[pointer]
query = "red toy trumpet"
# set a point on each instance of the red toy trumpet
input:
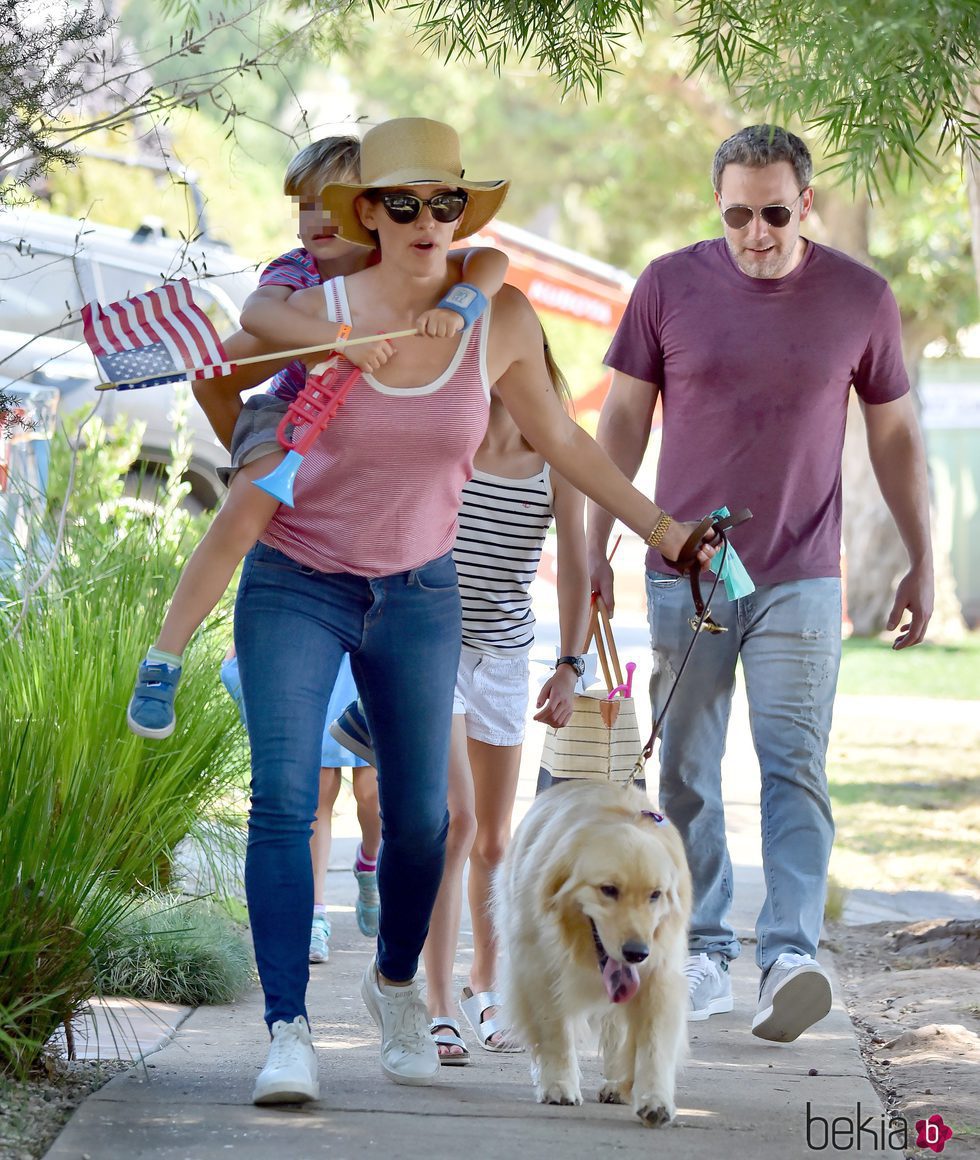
(314, 407)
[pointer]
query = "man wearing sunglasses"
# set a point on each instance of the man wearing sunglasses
(753, 342)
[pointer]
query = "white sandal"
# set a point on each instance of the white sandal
(449, 1040)
(473, 1007)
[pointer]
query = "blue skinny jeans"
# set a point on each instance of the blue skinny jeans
(292, 626)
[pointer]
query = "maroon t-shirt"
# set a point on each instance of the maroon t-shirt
(754, 375)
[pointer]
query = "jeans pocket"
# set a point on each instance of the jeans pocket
(265, 557)
(437, 576)
(660, 583)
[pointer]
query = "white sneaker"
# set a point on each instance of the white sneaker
(289, 1075)
(795, 994)
(709, 987)
(408, 1052)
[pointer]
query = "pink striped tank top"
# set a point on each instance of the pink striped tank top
(379, 491)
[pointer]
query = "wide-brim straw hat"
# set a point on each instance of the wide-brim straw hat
(410, 151)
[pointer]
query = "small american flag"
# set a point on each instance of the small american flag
(161, 336)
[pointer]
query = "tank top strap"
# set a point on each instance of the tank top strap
(475, 337)
(335, 299)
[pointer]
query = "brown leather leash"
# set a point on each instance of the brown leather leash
(687, 563)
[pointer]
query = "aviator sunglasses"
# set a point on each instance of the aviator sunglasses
(737, 217)
(406, 207)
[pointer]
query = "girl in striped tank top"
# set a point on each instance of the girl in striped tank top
(364, 566)
(507, 508)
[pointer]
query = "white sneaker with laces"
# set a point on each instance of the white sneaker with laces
(408, 1052)
(289, 1075)
(795, 994)
(709, 987)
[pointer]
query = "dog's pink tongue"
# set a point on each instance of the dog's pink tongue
(621, 979)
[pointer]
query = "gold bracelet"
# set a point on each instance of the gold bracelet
(656, 537)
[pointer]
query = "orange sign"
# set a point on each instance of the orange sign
(558, 279)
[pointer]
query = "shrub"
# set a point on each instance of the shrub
(175, 950)
(90, 813)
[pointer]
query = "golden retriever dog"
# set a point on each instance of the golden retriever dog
(591, 906)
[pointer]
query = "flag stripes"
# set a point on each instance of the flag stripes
(162, 332)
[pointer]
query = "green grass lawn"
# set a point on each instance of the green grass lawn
(904, 780)
(871, 666)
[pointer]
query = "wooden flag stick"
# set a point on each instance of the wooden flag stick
(275, 354)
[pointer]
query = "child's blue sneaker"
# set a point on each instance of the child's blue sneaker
(351, 730)
(368, 902)
(151, 709)
(319, 939)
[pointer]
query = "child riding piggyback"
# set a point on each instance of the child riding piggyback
(255, 450)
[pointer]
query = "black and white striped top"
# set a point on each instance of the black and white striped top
(502, 526)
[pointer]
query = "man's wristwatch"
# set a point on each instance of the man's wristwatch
(577, 663)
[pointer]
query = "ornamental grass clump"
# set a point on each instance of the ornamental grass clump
(175, 950)
(89, 813)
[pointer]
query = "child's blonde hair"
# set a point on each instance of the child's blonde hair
(329, 159)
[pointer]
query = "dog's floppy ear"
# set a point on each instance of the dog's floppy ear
(673, 894)
(555, 877)
(680, 892)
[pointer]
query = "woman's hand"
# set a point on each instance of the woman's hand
(675, 540)
(558, 697)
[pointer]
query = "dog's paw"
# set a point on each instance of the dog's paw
(654, 1114)
(565, 1094)
(610, 1093)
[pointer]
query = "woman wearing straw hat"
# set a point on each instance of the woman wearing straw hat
(362, 564)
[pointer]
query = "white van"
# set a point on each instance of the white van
(50, 266)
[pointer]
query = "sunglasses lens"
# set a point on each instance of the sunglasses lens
(776, 215)
(448, 207)
(737, 217)
(401, 207)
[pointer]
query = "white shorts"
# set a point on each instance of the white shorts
(492, 694)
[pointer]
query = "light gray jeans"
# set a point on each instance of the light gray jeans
(789, 640)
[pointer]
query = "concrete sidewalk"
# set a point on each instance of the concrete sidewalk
(738, 1096)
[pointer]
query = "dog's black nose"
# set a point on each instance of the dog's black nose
(635, 952)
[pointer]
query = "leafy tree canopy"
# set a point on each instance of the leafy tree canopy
(872, 76)
(41, 56)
